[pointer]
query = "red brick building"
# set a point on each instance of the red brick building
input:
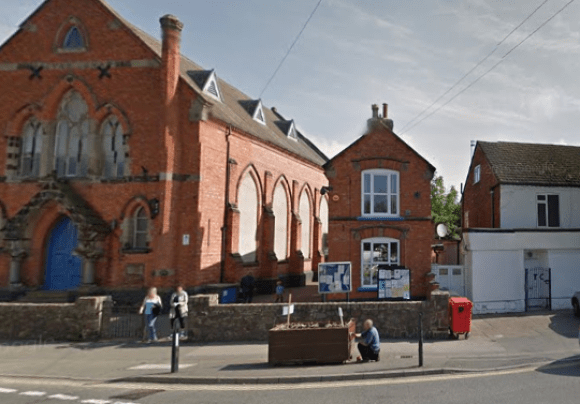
(124, 164)
(380, 208)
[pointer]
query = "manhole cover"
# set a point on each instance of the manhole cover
(136, 394)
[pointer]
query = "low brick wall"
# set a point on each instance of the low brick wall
(77, 321)
(210, 321)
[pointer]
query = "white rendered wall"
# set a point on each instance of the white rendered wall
(565, 277)
(518, 206)
(305, 218)
(248, 206)
(280, 208)
(324, 223)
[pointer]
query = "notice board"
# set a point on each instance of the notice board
(393, 282)
(334, 277)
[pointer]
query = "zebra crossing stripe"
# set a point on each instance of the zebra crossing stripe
(33, 393)
(63, 397)
(3, 390)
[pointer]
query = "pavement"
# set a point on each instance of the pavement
(495, 342)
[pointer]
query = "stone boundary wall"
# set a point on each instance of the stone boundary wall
(79, 321)
(210, 321)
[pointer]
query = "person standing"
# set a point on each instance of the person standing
(150, 308)
(370, 346)
(247, 283)
(279, 292)
(178, 310)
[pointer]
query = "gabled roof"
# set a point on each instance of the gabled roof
(230, 110)
(533, 163)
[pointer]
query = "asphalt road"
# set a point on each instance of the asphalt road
(556, 383)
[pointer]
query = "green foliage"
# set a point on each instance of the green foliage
(445, 207)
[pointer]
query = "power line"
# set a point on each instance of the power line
(493, 67)
(291, 46)
(473, 68)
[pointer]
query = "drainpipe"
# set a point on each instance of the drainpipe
(226, 205)
(492, 192)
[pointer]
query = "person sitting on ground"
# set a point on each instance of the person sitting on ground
(370, 347)
(279, 292)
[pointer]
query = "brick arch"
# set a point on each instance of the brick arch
(67, 24)
(282, 180)
(251, 169)
(310, 193)
(21, 118)
(109, 110)
(133, 204)
(53, 100)
(388, 231)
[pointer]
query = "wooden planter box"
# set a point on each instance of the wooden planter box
(312, 343)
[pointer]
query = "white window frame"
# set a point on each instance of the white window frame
(136, 231)
(373, 241)
(30, 159)
(546, 210)
(389, 193)
(477, 174)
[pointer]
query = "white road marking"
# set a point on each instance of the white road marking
(33, 393)
(123, 402)
(149, 366)
(95, 401)
(3, 390)
(63, 397)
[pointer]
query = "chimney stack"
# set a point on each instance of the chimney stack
(375, 108)
(385, 110)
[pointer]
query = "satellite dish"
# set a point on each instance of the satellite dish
(442, 230)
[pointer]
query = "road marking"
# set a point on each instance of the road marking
(63, 397)
(92, 401)
(150, 366)
(3, 390)
(33, 393)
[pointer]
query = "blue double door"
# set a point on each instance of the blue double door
(63, 269)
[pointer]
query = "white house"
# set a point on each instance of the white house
(521, 219)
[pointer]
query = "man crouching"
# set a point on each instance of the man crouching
(370, 347)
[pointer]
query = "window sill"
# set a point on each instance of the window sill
(367, 289)
(136, 250)
(378, 217)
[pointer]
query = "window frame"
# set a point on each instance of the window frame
(36, 137)
(136, 232)
(377, 240)
(389, 193)
(547, 216)
(111, 155)
(477, 174)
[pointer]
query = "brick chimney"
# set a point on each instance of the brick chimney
(378, 120)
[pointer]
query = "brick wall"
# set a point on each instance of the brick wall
(79, 321)
(477, 197)
(209, 321)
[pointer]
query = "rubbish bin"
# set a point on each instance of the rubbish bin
(229, 295)
(460, 309)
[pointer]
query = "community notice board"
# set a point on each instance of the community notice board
(334, 277)
(394, 283)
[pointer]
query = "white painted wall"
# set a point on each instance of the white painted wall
(324, 224)
(280, 208)
(495, 268)
(248, 206)
(518, 206)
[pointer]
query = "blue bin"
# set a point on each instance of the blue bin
(229, 295)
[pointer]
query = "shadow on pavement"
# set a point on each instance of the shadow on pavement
(565, 367)
(565, 324)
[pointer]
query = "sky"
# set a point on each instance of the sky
(355, 53)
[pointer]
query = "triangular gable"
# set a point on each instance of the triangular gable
(258, 114)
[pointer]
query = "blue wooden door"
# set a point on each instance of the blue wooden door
(63, 269)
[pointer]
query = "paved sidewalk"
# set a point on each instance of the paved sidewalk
(495, 342)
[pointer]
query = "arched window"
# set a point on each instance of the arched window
(140, 229)
(113, 148)
(305, 218)
(376, 252)
(324, 225)
(248, 207)
(73, 39)
(280, 207)
(31, 147)
(72, 135)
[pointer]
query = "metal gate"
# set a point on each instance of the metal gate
(538, 289)
(450, 277)
(126, 323)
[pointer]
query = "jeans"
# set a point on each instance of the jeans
(150, 320)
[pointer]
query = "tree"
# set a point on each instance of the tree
(445, 207)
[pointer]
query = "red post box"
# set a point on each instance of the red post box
(460, 309)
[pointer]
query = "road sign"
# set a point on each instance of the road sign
(334, 277)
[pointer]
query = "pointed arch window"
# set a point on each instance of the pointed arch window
(280, 208)
(248, 207)
(113, 148)
(73, 40)
(31, 147)
(72, 137)
(140, 229)
(324, 225)
(305, 218)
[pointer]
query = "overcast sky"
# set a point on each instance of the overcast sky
(404, 53)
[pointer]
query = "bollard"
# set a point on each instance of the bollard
(420, 339)
(175, 349)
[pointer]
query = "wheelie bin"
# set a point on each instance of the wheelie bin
(460, 311)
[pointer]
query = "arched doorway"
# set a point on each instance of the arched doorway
(63, 269)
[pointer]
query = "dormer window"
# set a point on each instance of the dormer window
(211, 86)
(258, 114)
(292, 131)
(73, 39)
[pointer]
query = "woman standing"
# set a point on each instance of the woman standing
(151, 307)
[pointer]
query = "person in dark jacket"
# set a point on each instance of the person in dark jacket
(247, 284)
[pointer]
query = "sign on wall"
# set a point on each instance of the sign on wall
(393, 283)
(334, 277)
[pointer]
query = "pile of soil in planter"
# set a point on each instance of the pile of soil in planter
(298, 326)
